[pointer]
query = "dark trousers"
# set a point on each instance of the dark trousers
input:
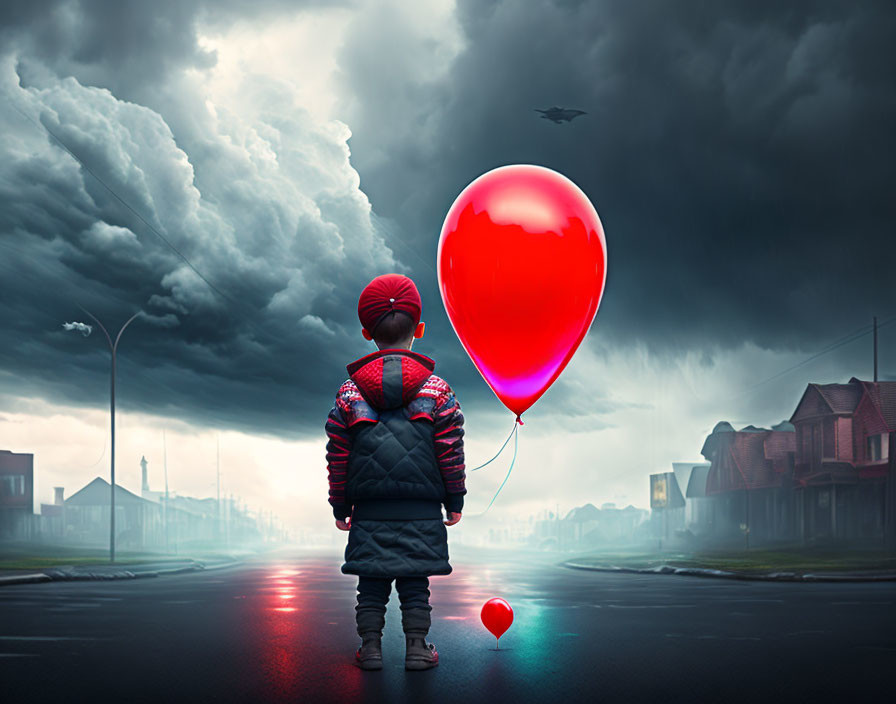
(373, 595)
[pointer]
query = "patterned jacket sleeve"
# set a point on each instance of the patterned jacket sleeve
(338, 448)
(449, 440)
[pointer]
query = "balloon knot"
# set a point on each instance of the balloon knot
(519, 420)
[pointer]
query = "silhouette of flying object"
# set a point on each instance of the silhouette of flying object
(558, 115)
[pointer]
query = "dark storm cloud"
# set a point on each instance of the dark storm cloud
(739, 153)
(145, 41)
(738, 157)
(264, 206)
(127, 45)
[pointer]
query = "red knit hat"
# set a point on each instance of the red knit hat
(387, 293)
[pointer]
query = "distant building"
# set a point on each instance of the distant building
(182, 522)
(52, 516)
(138, 521)
(145, 491)
(698, 514)
(588, 526)
(821, 476)
(619, 525)
(580, 523)
(680, 505)
(153, 521)
(667, 505)
(193, 519)
(16, 493)
(546, 531)
(842, 459)
(750, 479)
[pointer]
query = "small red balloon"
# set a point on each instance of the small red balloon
(522, 263)
(497, 616)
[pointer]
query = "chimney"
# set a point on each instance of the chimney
(58, 495)
(143, 464)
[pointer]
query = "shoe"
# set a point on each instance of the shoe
(420, 655)
(370, 655)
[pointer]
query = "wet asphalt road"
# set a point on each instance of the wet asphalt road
(282, 629)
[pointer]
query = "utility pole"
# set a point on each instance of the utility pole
(890, 496)
(218, 503)
(557, 527)
(113, 347)
(229, 517)
(165, 456)
(875, 349)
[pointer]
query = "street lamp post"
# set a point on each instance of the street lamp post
(113, 347)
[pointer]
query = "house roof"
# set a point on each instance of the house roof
(883, 397)
(749, 455)
(824, 399)
(696, 487)
(844, 398)
(887, 400)
(780, 443)
(588, 512)
(713, 439)
(96, 493)
(752, 453)
(16, 461)
(684, 471)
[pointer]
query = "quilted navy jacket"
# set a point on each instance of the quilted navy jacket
(395, 456)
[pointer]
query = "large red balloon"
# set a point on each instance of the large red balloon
(522, 263)
(497, 616)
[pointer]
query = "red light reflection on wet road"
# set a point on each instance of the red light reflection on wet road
(291, 636)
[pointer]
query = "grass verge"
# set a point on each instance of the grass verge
(753, 561)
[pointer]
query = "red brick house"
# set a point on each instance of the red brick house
(16, 493)
(843, 458)
(750, 479)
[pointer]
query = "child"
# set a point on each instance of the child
(395, 455)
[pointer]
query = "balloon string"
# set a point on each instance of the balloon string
(509, 469)
(499, 451)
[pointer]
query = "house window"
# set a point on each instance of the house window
(804, 442)
(877, 448)
(828, 441)
(12, 485)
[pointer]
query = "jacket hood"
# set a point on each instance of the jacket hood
(390, 378)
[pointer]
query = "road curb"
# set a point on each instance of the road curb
(24, 579)
(722, 574)
(222, 566)
(57, 575)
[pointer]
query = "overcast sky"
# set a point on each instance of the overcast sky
(740, 155)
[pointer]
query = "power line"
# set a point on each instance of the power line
(852, 337)
(37, 263)
(383, 225)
